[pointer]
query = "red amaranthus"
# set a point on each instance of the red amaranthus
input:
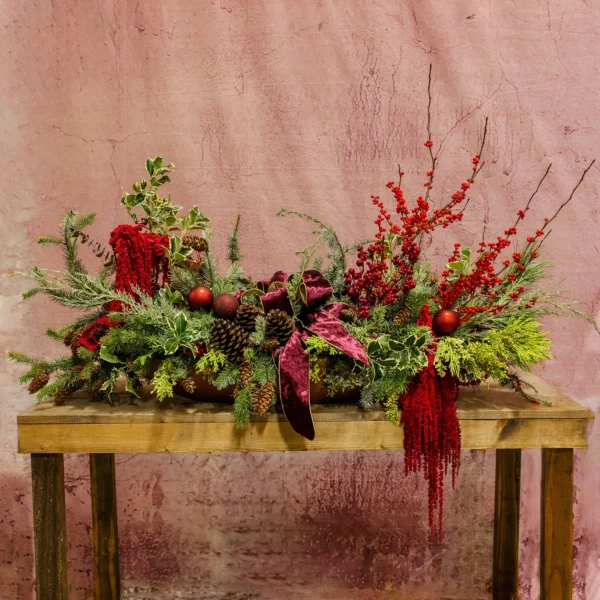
(140, 261)
(431, 431)
(140, 258)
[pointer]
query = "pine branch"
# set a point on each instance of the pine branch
(234, 254)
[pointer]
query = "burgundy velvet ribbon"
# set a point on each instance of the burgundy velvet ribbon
(293, 361)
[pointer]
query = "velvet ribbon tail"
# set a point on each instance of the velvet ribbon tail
(294, 386)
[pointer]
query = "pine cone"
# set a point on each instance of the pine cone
(95, 392)
(245, 373)
(433, 279)
(402, 317)
(348, 314)
(262, 398)
(197, 243)
(38, 382)
(246, 316)
(229, 338)
(279, 325)
(270, 345)
(72, 336)
(189, 385)
(61, 396)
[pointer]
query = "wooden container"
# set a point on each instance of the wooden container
(205, 392)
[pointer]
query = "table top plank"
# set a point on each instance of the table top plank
(489, 401)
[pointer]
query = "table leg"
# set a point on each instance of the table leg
(556, 569)
(505, 577)
(49, 526)
(107, 585)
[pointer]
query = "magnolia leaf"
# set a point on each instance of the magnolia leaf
(251, 292)
(176, 297)
(129, 388)
(303, 293)
(107, 385)
(107, 356)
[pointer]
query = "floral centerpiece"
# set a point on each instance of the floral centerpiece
(371, 319)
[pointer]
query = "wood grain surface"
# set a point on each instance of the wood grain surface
(49, 526)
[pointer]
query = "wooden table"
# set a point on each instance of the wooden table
(489, 418)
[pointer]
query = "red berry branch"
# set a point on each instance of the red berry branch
(386, 267)
(484, 281)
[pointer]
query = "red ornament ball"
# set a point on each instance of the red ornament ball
(225, 306)
(445, 321)
(200, 297)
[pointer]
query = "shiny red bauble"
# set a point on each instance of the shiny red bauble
(200, 298)
(445, 321)
(225, 306)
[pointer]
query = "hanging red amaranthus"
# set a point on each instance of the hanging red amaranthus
(140, 260)
(431, 431)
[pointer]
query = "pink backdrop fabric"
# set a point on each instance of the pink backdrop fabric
(308, 105)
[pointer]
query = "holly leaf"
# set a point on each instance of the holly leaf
(180, 324)
(171, 346)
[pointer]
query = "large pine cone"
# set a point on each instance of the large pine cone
(279, 326)
(402, 317)
(229, 338)
(197, 243)
(246, 316)
(262, 398)
(38, 382)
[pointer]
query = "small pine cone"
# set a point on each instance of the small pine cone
(270, 345)
(236, 390)
(262, 398)
(245, 373)
(197, 243)
(72, 336)
(402, 317)
(229, 338)
(189, 385)
(279, 325)
(433, 280)
(246, 316)
(38, 382)
(61, 396)
(95, 391)
(348, 314)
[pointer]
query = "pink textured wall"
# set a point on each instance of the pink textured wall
(263, 103)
